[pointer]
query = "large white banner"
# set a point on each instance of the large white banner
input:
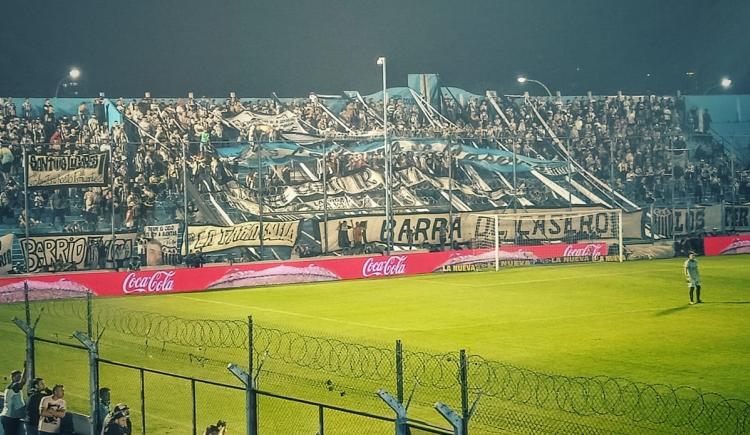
(539, 225)
(69, 170)
(285, 121)
(210, 238)
(80, 251)
(6, 242)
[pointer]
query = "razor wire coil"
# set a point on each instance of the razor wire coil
(658, 404)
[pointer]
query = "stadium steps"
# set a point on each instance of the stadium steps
(207, 210)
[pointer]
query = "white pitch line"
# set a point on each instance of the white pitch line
(531, 281)
(291, 313)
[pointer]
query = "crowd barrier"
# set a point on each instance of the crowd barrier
(177, 280)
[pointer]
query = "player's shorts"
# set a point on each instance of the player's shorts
(693, 282)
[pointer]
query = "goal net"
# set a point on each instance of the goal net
(541, 237)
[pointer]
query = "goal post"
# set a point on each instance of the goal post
(547, 236)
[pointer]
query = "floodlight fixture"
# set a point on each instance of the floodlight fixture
(74, 73)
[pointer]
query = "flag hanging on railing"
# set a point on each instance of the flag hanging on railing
(6, 264)
(77, 170)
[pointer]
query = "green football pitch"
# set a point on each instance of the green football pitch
(630, 320)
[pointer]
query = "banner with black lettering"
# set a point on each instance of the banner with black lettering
(162, 244)
(77, 170)
(210, 238)
(416, 230)
(408, 229)
(665, 222)
(736, 218)
(77, 252)
(6, 242)
(286, 121)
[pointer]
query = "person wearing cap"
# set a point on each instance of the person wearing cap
(36, 393)
(123, 409)
(118, 424)
(52, 410)
(14, 409)
(693, 278)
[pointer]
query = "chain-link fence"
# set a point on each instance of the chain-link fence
(300, 376)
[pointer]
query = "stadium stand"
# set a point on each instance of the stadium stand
(569, 150)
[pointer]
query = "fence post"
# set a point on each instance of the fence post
(321, 422)
(454, 419)
(30, 353)
(93, 352)
(252, 398)
(463, 370)
(460, 423)
(399, 372)
(29, 333)
(195, 416)
(90, 333)
(89, 314)
(143, 403)
(398, 408)
(247, 379)
(397, 403)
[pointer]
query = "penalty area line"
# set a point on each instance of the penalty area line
(291, 313)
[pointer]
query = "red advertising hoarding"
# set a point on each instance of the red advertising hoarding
(103, 283)
(727, 245)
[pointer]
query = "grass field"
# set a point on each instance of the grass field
(627, 320)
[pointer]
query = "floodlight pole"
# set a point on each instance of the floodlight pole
(570, 183)
(523, 80)
(260, 199)
(26, 210)
(514, 198)
(450, 189)
(325, 200)
(387, 153)
(112, 192)
(184, 198)
(542, 85)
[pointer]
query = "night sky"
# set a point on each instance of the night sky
(211, 47)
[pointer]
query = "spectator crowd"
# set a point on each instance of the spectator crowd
(44, 410)
(637, 144)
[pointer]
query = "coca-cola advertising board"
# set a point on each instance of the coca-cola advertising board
(727, 245)
(104, 283)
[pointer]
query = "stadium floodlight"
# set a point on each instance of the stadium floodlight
(724, 83)
(523, 80)
(74, 73)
